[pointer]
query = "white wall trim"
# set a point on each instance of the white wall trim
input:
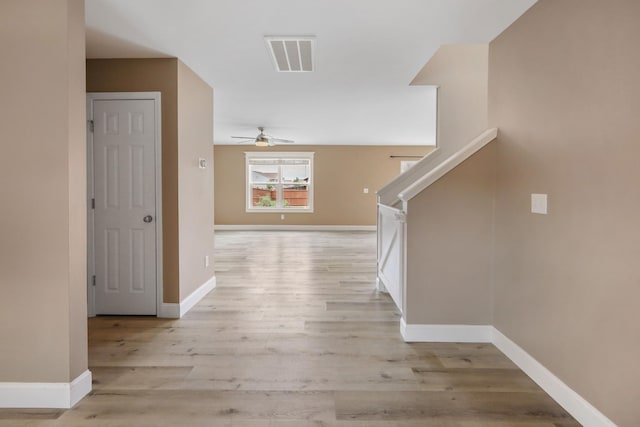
(388, 194)
(176, 311)
(45, 395)
(284, 227)
(585, 413)
(169, 310)
(445, 333)
(80, 387)
(157, 98)
(190, 301)
(447, 165)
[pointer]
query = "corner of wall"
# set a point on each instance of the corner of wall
(195, 181)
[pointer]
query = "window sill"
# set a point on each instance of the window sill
(279, 211)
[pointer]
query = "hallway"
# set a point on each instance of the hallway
(294, 335)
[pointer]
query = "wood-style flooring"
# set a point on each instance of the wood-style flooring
(294, 335)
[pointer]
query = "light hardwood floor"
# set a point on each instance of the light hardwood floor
(294, 335)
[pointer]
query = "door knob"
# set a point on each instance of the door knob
(147, 218)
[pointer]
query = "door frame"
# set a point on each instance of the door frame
(93, 96)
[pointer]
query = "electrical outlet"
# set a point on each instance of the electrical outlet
(282, 217)
(365, 190)
(206, 261)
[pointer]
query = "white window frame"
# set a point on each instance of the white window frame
(405, 165)
(250, 155)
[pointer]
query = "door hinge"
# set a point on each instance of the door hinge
(93, 203)
(93, 280)
(91, 125)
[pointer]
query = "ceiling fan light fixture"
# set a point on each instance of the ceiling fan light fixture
(262, 140)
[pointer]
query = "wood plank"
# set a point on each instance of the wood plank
(296, 337)
(505, 380)
(470, 406)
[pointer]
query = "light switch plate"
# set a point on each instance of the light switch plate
(539, 204)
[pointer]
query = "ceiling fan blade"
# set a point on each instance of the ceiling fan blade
(263, 138)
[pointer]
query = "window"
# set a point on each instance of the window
(405, 165)
(280, 182)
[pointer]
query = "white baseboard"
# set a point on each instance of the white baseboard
(284, 227)
(585, 413)
(190, 301)
(45, 395)
(176, 311)
(169, 310)
(445, 333)
(80, 387)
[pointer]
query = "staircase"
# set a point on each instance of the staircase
(393, 207)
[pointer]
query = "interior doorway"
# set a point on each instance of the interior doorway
(124, 248)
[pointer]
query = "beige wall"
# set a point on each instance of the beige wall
(187, 129)
(450, 223)
(461, 74)
(449, 246)
(195, 185)
(340, 174)
(43, 323)
(564, 92)
(145, 75)
(77, 165)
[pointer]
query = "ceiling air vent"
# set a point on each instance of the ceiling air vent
(291, 54)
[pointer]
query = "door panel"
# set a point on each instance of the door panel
(124, 192)
(391, 252)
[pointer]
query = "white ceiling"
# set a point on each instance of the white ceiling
(367, 53)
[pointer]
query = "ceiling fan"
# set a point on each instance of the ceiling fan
(263, 140)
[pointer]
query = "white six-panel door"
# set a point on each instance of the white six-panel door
(124, 214)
